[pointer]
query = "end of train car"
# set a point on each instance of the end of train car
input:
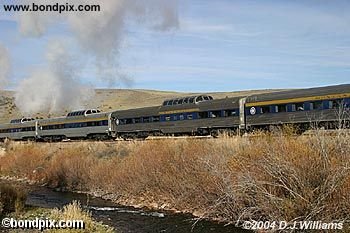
(320, 107)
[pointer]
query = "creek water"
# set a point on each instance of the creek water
(126, 219)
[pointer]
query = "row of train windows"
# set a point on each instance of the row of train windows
(180, 117)
(25, 129)
(59, 126)
(76, 125)
(187, 100)
(316, 105)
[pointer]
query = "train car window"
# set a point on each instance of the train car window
(189, 116)
(335, 104)
(199, 99)
(265, 109)
(231, 113)
(347, 103)
(274, 108)
(214, 114)
(202, 115)
(299, 106)
(317, 105)
(155, 119)
(181, 117)
(293, 107)
(128, 121)
(167, 118)
(281, 108)
(137, 120)
(146, 120)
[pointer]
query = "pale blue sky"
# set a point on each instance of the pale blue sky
(222, 45)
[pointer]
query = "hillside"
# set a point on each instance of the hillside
(113, 99)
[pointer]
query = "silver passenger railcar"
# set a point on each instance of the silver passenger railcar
(84, 124)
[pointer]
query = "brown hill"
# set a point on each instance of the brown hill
(113, 99)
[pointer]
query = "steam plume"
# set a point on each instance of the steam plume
(55, 88)
(101, 32)
(5, 66)
(99, 35)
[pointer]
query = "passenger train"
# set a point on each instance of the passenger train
(194, 115)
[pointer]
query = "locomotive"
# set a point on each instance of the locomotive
(195, 115)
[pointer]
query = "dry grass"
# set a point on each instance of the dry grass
(74, 211)
(268, 177)
(11, 199)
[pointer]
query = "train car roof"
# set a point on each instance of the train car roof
(217, 104)
(64, 119)
(298, 93)
(137, 112)
(17, 125)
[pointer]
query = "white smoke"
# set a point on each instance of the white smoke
(101, 32)
(5, 66)
(99, 35)
(54, 89)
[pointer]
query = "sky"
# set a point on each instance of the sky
(222, 45)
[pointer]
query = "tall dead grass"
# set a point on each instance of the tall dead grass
(75, 212)
(11, 199)
(271, 176)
